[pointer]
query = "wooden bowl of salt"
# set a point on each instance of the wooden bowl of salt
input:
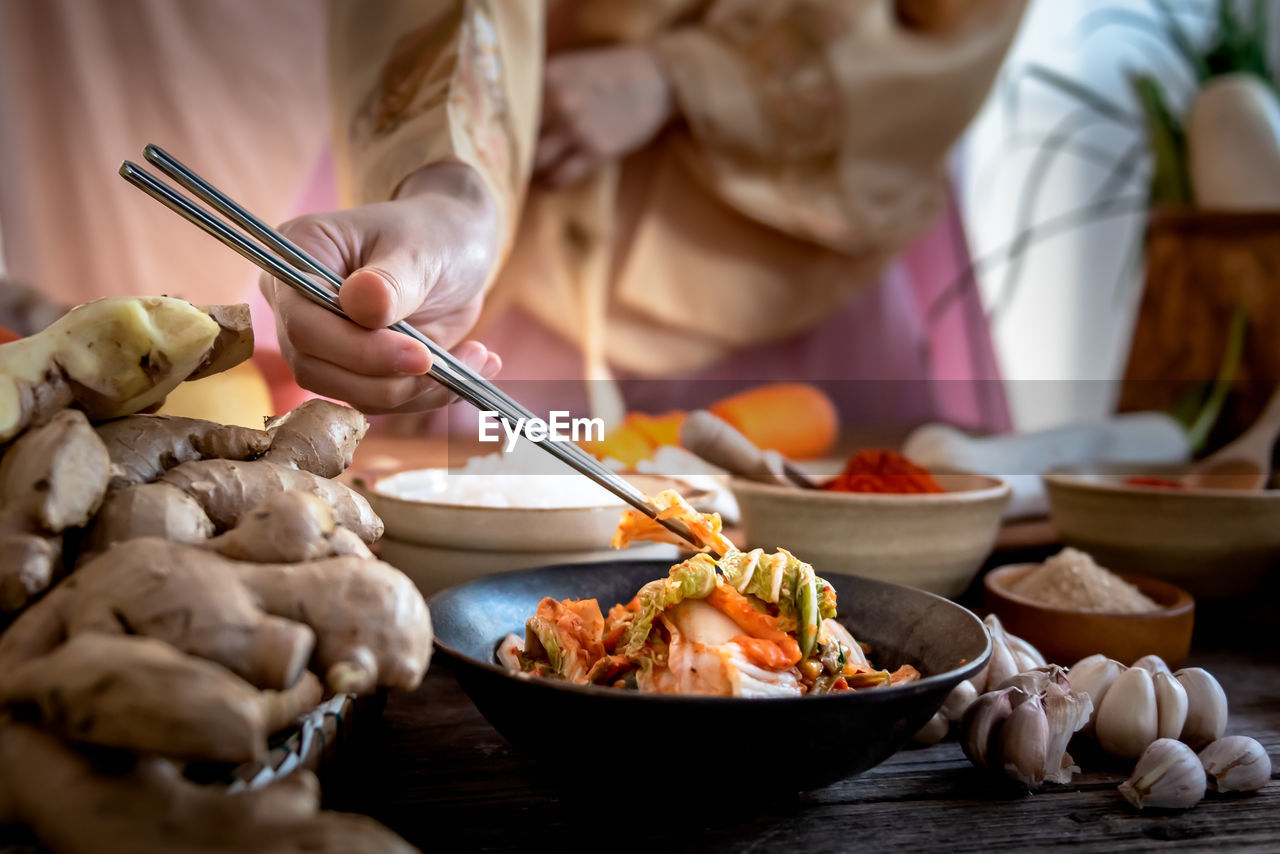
(1098, 618)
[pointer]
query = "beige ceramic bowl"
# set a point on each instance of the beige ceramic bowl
(933, 542)
(1213, 542)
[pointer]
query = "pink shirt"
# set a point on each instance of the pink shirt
(235, 89)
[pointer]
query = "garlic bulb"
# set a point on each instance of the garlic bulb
(1236, 763)
(1010, 655)
(1168, 775)
(1206, 707)
(1134, 707)
(1023, 727)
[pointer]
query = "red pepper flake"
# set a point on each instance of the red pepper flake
(883, 471)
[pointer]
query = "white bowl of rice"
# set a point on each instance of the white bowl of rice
(498, 503)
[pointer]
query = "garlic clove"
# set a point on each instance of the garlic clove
(958, 701)
(1094, 676)
(1002, 666)
(1168, 775)
(983, 717)
(934, 731)
(1153, 664)
(1236, 763)
(1027, 655)
(1024, 743)
(1127, 720)
(1087, 661)
(1171, 704)
(1206, 707)
(1066, 712)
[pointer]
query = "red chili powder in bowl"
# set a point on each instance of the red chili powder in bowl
(883, 471)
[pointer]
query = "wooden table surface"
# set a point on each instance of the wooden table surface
(436, 772)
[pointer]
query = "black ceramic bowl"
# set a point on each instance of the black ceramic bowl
(792, 743)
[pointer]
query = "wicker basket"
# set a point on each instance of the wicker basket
(1201, 266)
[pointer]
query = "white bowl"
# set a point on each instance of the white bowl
(433, 569)
(490, 529)
(439, 544)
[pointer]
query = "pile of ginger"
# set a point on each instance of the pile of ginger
(174, 591)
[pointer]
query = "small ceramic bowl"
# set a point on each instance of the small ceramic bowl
(933, 542)
(1065, 636)
(1213, 542)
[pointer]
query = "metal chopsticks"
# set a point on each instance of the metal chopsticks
(289, 263)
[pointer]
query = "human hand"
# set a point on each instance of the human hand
(599, 105)
(423, 257)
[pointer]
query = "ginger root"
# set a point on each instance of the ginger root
(234, 343)
(194, 500)
(143, 806)
(288, 527)
(111, 357)
(184, 596)
(143, 447)
(52, 478)
(371, 625)
(149, 510)
(316, 436)
(229, 489)
(140, 694)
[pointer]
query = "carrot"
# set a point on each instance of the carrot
(794, 419)
(904, 674)
(657, 430)
(758, 625)
(625, 444)
(766, 653)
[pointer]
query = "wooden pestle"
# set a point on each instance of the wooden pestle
(718, 442)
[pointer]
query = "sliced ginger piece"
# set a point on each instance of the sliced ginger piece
(144, 805)
(111, 357)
